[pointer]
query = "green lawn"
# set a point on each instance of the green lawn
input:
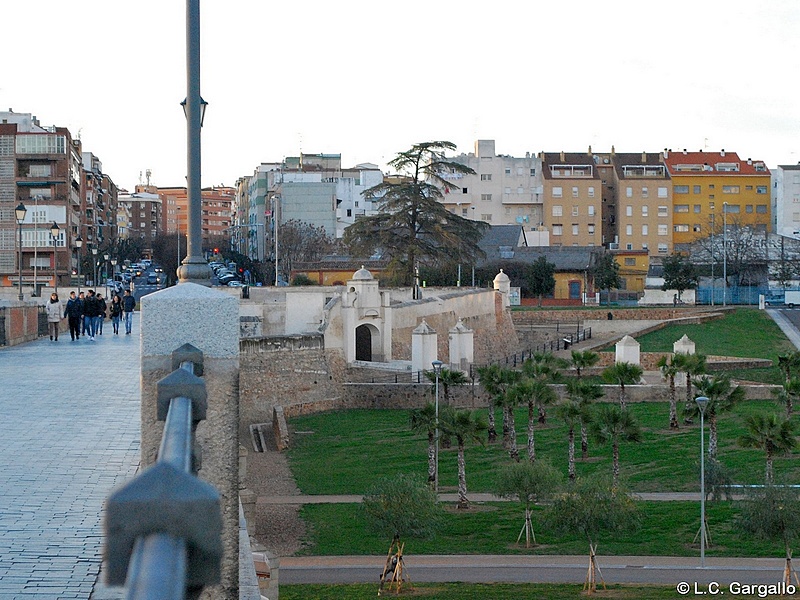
(347, 452)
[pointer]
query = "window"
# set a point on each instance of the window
(463, 212)
(645, 230)
(591, 210)
(629, 192)
(574, 192)
(761, 209)
(644, 192)
(486, 176)
(520, 171)
(558, 229)
(711, 206)
(662, 248)
(349, 212)
(644, 247)
(681, 229)
(730, 189)
(630, 262)
(681, 208)
(644, 210)
(748, 208)
(629, 211)
(591, 192)
(574, 211)
(748, 188)
(761, 189)
(464, 190)
(662, 192)
(696, 228)
(41, 144)
(557, 192)
(520, 190)
(39, 171)
(557, 210)
(574, 229)
(680, 189)
(663, 211)
(486, 218)
(731, 208)
(508, 170)
(486, 197)
(628, 229)
(696, 189)
(533, 171)
(507, 190)
(696, 208)
(711, 186)
(662, 229)
(590, 228)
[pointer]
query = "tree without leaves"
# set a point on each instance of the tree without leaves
(605, 273)
(611, 424)
(622, 374)
(302, 242)
(770, 433)
(679, 274)
(540, 277)
(413, 226)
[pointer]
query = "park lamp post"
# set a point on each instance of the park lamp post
(702, 402)
(19, 215)
(106, 256)
(79, 245)
(94, 260)
(54, 231)
(437, 369)
(724, 253)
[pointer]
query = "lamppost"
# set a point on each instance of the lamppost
(473, 260)
(78, 245)
(712, 259)
(19, 214)
(724, 253)
(113, 268)
(106, 256)
(54, 231)
(276, 203)
(94, 260)
(437, 369)
(35, 244)
(702, 402)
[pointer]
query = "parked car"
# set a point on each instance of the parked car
(152, 279)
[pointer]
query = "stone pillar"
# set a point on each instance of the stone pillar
(502, 284)
(423, 347)
(461, 347)
(209, 320)
(683, 346)
(627, 350)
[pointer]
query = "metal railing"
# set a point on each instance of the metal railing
(164, 527)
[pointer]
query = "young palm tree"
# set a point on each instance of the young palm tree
(584, 393)
(788, 394)
(613, 424)
(583, 360)
(543, 367)
(789, 364)
(496, 381)
(425, 419)
(691, 365)
(721, 396)
(514, 396)
(622, 374)
(571, 413)
(464, 426)
(537, 394)
(771, 434)
(447, 379)
(669, 370)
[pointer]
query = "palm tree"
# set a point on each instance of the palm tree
(571, 413)
(789, 363)
(464, 426)
(622, 374)
(669, 370)
(721, 396)
(613, 424)
(787, 394)
(496, 381)
(513, 397)
(539, 394)
(771, 434)
(691, 365)
(583, 360)
(544, 367)
(448, 379)
(584, 393)
(425, 419)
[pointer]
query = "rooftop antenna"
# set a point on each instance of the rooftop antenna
(147, 174)
(140, 178)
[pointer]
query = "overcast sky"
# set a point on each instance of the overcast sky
(369, 79)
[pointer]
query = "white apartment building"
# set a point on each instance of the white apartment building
(505, 190)
(786, 198)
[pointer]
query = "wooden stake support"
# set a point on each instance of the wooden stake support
(527, 529)
(590, 585)
(788, 571)
(394, 570)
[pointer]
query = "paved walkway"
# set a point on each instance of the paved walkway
(70, 434)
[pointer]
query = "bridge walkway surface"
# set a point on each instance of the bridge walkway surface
(70, 434)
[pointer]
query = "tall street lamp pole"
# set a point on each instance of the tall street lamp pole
(712, 259)
(106, 256)
(35, 243)
(78, 244)
(724, 254)
(194, 268)
(276, 203)
(94, 260)
(54, 231)
(437, 369)
(702, 402)
(19, 214)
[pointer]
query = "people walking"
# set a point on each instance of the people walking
(116, 312)
(82, 299)
(102, 307)
(90, 311)
(53, 316)
(74, 314)
(128, 304)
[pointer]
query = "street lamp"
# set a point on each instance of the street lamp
(78, 244)
(54, 231)
(437, 369)
(702, 402)
(724, 253)
(106, 256)
(113, 268)
(19, 214)
(712, 259)
(94, 259)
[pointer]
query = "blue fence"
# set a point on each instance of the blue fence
(733, 295)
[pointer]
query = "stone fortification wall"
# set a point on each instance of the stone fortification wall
(524, 317)
(649, 362)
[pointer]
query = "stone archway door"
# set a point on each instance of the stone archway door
(363, 343)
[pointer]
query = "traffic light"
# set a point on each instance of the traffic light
(216, 250)
(241, 270)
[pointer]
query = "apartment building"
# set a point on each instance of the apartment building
(641, 206)
(216, 210)
(786, 200)
(505, 190)
(572, 198)
(707, 184)
(145, 210)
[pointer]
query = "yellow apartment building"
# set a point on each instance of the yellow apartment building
(704, 184)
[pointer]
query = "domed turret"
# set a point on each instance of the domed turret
(362, 274)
